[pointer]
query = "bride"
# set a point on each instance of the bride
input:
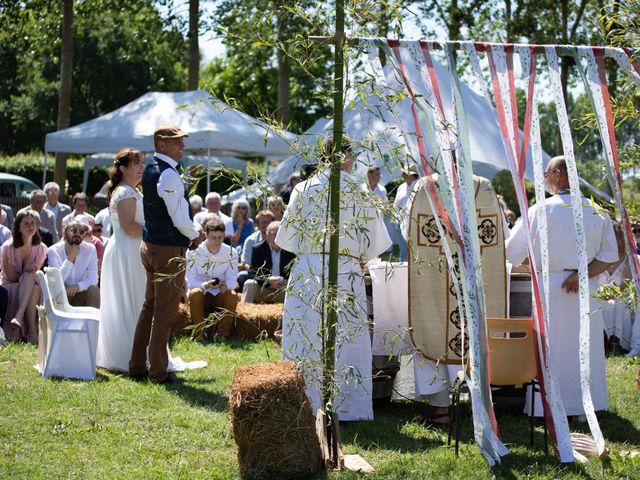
(123, 280)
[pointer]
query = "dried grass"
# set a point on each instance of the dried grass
(272, 422)
(257, 320)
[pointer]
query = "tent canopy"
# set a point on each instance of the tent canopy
(212, 125)
(371, 120)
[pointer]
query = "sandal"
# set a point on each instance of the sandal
(16, 326)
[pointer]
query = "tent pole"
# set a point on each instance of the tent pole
(85, 176)
(266, 165)
(208, 170)
(44, 170)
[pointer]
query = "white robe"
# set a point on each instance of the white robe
(362, 236)
(564, 315)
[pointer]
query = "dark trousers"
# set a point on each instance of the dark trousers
(165, 280)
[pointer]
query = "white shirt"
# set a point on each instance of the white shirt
(171, 190)
(83, 272)
(199, 217)
(203, 266)
(379, 190)
(5, 234)
(249, 243)
(403, 194)
(563, 253)
(103, 217)
(275, 262)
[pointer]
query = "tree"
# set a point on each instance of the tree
(121, 50)
(194, 50)
(64, 101)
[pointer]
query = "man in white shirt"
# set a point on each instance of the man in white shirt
(78, 264)
(60, 210)
(263, 219)
(103, 218)
(212, 271)
(564, 309)
(403, 194)
(168, 232)
(213, 204)
(373, 183)
(37, 201)
(80, 203)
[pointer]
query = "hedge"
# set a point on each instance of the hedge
(30, 166)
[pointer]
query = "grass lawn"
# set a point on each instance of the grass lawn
(116, 428)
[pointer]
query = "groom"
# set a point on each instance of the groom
(168, 231)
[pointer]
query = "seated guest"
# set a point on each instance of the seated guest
(212, 270)
(276, 205)
(22, 256)
(37, 200)
(98, 230)
(78, 264)
(241, 224)
(87, 224)
(195, 202)
(7, 216)
(103, 218)
(263, 219)
(45, 234)
(80, 203)
(5, 234)
(271, 266)
(59, 209)
(213, 204)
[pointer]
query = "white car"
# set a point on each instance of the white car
(16, 186)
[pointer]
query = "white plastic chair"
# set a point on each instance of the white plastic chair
(68, 339)
(59, 295)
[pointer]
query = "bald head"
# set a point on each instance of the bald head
(556, 176)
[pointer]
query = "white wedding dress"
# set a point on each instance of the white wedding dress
(122, 290)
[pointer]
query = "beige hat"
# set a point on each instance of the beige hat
(169, 131)
(410, 169)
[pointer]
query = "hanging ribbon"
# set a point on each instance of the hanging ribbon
(594, 78)
(428, 116)
(550, 391)
(576, 204)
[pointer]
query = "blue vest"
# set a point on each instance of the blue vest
(158, 226)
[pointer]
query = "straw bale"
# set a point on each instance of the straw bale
(183, 320)
(272, 422)
(256, 320)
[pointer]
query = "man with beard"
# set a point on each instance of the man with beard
(78, 264)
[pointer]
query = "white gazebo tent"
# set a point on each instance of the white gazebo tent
(214, 128)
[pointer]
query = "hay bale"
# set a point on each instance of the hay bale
(183, 320)
(272, 422)
(257, 320)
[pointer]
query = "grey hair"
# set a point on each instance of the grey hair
(212, 195)
(37, 193)
(241, 203)
(51, 185)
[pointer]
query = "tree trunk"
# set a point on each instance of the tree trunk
(507, 20)
(64, 94)
(194, 49)
(383, 29)
(284, 72)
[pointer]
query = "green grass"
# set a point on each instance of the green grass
(116, 428)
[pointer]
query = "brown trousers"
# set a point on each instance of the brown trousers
(159, 311)
(202, 304)
(87, 298)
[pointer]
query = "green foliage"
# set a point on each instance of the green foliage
(122, 49)
(248, 75)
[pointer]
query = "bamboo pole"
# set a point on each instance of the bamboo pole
(334, 239)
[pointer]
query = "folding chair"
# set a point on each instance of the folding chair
(68, 340)
(512, 362)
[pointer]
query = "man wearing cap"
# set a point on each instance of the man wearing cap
(403, 194)
(168, 231)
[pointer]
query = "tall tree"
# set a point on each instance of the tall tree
(194, 49)
(64, 101)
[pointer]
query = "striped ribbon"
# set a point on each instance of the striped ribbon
(576, 204)
(594, 78)
(503, 82)
(455, 203)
